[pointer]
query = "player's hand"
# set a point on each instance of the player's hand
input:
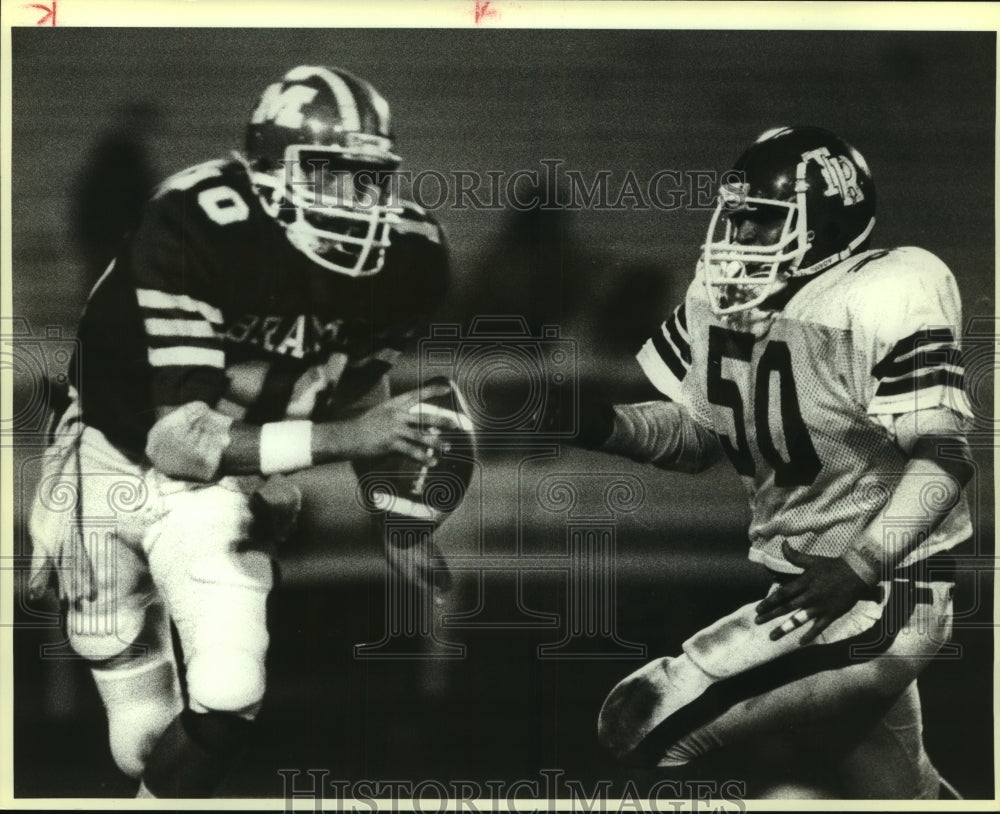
(396, 427)
(826, 589)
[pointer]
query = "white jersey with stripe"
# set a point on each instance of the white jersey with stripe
(803, 407)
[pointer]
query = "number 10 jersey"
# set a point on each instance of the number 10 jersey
(805, 408)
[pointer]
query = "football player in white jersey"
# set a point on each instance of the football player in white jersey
(244, 330)
(829, 373)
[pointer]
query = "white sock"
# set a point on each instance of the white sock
(140, 702)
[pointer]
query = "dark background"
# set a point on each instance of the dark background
(919, 106)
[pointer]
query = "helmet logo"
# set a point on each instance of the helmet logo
(840, 175)
(283, 107)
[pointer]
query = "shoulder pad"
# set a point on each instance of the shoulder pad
(224, 172)
(902, 288)
(696, 289)
(888, 277)
(209, 196)
(904, 260)
(192, 177)
(863, 290)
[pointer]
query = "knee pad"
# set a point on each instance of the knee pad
(141, 700)
(121, 612)
(216, 592)
(222, 623)
(225, 680)
(130, 628)
(101, 630)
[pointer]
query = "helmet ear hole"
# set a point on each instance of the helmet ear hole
(832, 234)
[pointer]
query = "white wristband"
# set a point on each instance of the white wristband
(285, 446)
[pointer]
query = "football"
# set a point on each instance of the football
(406, 489)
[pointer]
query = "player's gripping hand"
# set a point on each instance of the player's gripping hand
(825, 590)
(398, 426)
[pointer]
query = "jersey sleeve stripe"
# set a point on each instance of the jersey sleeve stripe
(928, 348)
(180, 327)
(186, 356)
(669, 355)
(175, 313)
(151, 298)
(680, 342)
(956, 370)
(924, 399)
(658, 373)
(949, 377)
(155, 342)
(915, 341)
(937, 357)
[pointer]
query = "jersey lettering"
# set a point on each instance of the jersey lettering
(222, 204)
(803, 464)
(296, 336)
(726, 344)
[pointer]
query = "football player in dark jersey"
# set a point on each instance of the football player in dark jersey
(246, 329)
(829, 374)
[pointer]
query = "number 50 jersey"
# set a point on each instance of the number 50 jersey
(804, 411)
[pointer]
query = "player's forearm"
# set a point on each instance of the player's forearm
(661, 433)
(195, 442)
(922, 499)
(285, 446)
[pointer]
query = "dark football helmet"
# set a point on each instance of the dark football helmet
(817, 194)
(320, 151)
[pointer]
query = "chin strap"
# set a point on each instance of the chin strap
(833, 259)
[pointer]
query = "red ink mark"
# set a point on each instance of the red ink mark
(483, 10)
(50, 13)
